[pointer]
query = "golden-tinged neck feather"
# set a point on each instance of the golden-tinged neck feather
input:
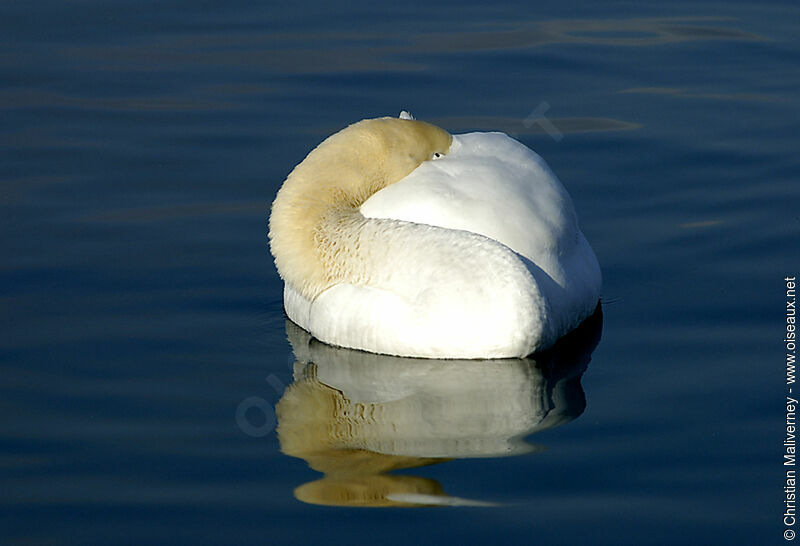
(315, 217)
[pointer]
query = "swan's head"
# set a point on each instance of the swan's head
(363, 158)
(388, 149)
(337, 177)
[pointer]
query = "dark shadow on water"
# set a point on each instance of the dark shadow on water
(357, 416)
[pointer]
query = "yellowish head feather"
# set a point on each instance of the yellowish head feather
(319, 200)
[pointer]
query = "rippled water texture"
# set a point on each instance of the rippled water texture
(153, 393)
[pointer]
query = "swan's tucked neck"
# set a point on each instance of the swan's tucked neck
(315, 220)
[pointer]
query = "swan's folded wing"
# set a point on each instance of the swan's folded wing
(432, 293)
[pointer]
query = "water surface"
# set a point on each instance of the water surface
(141, 145)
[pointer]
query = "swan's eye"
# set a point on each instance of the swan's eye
(437, 155)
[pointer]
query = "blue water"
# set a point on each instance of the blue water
(141, 144)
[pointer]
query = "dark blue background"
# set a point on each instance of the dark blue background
(142, 142)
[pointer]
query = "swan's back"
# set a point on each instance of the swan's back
(488, 183)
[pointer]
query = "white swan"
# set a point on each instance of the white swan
(394, 237)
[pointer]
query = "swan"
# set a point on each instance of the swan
(395, 237)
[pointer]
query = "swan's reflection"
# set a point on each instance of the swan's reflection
(355, 416)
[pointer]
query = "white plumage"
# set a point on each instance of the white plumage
(475, 253)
